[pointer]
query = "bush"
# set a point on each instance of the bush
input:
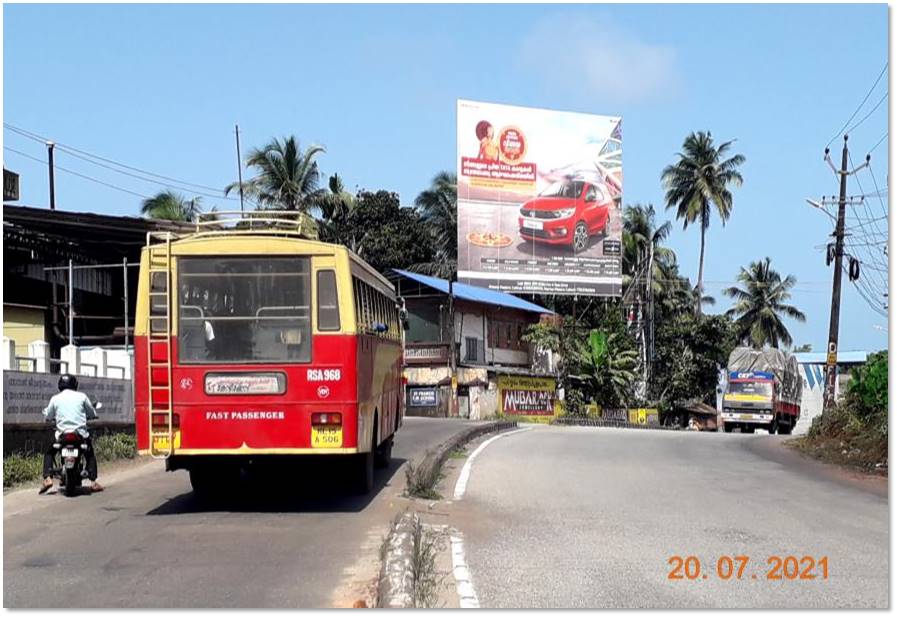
(18, 468)
(115, 446)
(855, 430)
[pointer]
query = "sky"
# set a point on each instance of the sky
(160, 87)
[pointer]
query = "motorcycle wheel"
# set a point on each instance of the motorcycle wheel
(72, 481)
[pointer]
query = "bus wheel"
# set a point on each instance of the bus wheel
(785, 427)
(365, 471)
(384, 454)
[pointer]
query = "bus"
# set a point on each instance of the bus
(257, 344)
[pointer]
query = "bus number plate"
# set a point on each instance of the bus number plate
(326, 437)
(161, 443)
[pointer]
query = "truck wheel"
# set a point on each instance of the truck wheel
(786, 428)
(773, 426)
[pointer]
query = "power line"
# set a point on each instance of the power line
(871, 111)
(84, 153)
(75, 173)
(859, 107)
(878, 143)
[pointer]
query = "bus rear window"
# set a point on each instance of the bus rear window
(244, 310)
(328, 306)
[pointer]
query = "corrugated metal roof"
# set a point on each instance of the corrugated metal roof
(844, 357)
(463, 291)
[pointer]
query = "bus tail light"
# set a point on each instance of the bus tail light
(161, 420)
(326, 419)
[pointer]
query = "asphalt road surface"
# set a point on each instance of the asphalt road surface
(146, 542)
(589, 517)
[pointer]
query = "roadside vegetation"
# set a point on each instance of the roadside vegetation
(596, 340)
(855, 432)
(421, 479)
(25, 468)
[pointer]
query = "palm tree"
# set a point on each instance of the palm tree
(333, 210)
(760, 305)
(287, 177)
(171, 206)
(699, 182)
(439, 209)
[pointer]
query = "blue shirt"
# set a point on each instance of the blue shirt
(71, 410)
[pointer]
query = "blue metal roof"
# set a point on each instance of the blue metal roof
(844, 357)
(471, 293)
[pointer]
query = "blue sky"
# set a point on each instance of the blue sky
(160, 88)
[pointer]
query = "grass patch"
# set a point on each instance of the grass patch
(427, 543)
(19, 468)
(458, 453)
(22, 468)
(420, 481)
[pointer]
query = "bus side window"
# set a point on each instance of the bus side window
(328, 305)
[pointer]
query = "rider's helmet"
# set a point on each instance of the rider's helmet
(68, 382)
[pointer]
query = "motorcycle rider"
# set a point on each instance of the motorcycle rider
(71, 410)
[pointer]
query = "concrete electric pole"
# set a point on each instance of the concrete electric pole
(831, 370)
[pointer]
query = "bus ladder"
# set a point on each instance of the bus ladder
(159, 336)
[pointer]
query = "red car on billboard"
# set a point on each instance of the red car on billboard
(568, 212)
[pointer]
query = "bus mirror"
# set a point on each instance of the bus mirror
(403, 317)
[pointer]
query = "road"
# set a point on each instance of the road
(146, 542)
(589, 517)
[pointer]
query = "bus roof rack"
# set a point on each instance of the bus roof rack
(278, 222)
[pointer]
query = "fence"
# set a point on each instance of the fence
(91, 362)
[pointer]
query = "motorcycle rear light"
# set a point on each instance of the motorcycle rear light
(161, 420)
(71, 438)
(325, 419)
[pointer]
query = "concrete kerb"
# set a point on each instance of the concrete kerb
(396, 585)
(568, 421)
(434, 459)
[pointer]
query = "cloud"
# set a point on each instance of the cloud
(593, 57)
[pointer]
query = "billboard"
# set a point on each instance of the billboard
(539, 200)
(526, 396)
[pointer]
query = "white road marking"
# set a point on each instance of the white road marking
(461, 484)
(467, 596)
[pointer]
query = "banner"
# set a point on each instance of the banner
(526, 396)
(539, 200)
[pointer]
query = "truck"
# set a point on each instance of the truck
(763, 390)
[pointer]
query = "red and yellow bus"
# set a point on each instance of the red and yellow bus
(253, 344)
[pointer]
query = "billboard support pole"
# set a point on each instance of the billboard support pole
(453, 362)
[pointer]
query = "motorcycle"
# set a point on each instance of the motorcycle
(72, 449)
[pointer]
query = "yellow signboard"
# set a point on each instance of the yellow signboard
(526, 396)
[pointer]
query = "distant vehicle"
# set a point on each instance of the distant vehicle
(256, 345)
(763, 391)
(568, 212)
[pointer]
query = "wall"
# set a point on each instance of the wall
(25, 395)
(23, 325)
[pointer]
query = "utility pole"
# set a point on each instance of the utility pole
(50, 147)
(831, 364)
(453, 360)
(239, 165)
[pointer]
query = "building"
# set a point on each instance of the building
(496, 371)
(812, 365)
(36, 296)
